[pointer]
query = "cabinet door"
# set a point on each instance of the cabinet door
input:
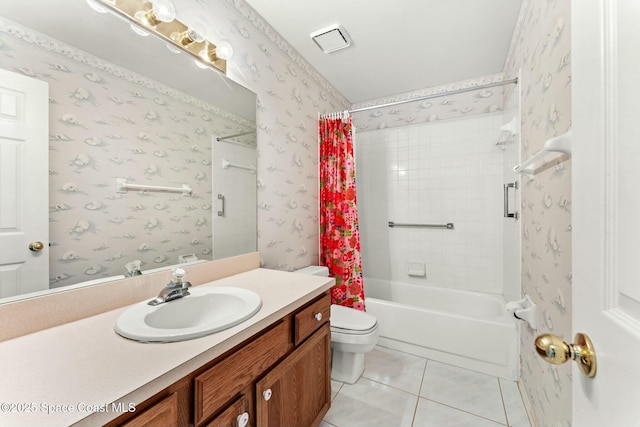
(236, 415)
(219, 384)
(297, 392)
(163, 413)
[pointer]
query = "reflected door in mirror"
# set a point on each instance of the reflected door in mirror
(24, 137)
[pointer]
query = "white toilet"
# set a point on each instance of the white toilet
(353, 333)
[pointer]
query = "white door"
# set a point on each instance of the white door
(606, 207)
(24, 188)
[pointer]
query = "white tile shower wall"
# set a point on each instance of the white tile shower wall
(433, 173)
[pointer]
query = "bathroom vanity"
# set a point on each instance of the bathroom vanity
(284, 370)
(271, 370)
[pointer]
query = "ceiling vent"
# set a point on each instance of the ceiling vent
(331, 38)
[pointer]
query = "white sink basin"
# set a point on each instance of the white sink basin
(207, 310)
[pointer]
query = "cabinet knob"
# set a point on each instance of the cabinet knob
(267, 394)
(243, 419)
(318, 316)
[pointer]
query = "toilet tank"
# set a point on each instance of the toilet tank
(315, 270)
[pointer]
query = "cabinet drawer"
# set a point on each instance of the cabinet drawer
(226, 379)
(163, 413)
(231, 416)
(308, 320)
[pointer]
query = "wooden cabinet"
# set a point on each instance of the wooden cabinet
(238, 414)
(297, 392)
(288, 361)
(219, 384)
(309, 319)
(163, 413)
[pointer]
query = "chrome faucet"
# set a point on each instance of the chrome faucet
(177, 288)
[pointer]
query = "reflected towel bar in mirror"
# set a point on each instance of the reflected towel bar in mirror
(122, 186)
(226, 164)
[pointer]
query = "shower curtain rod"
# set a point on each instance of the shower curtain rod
(436, 95)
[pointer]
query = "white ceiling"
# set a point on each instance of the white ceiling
(398, 46)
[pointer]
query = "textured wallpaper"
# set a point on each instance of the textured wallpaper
(290, 95)
(541, 50)
(107, 122)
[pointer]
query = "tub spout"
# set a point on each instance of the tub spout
(524, 310)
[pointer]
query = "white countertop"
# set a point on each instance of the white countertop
(77, 370)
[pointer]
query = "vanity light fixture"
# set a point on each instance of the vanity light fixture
(194, 34)
(222, 51)
(160, 11)
(158, 17)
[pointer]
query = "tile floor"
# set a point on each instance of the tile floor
(400, 389)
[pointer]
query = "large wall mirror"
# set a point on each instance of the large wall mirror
(123, 106)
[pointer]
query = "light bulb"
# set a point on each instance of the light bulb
(196, 33)
(193, 34)
(161, 11)
(164, 10)
(224, 50)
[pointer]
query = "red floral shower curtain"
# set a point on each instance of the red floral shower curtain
(339, 233)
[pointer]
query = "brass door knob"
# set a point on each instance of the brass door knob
(554, 350)
(36, 246)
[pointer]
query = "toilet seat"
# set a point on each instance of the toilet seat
(347, 320)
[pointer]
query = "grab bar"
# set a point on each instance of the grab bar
(122, 186)
(506, 188)
(448, 226)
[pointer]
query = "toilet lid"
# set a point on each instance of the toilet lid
(351, 319)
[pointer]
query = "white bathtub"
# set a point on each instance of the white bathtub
(466, 329)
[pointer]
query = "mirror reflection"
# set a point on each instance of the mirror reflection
(123, 107)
